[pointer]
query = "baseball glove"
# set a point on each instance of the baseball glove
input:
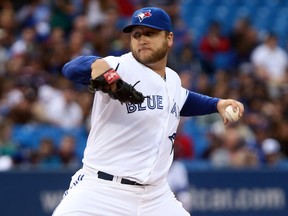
(124, 92)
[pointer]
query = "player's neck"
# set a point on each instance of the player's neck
(159, 67)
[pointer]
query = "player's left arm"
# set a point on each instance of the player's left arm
(199, 104)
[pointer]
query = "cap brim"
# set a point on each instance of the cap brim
(128, 29)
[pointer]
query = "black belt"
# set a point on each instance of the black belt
(108, 177)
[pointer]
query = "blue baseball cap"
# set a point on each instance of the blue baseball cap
(150, 17)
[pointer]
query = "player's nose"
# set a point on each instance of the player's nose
(143, 39)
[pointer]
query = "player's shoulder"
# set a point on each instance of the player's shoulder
(171, 73)
(117, 58)
(169, 70)
(125, 58)
(114, 61)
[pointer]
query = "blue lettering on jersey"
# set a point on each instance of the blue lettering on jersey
(175, 110)
(152, 102)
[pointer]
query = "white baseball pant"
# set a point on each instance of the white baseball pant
(91, 196)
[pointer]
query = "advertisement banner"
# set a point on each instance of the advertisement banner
(214, 192)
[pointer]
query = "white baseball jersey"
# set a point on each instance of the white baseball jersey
(136, 141)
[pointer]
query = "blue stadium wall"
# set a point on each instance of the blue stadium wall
(214, 192)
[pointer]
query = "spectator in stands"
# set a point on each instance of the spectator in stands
(46, 155)
(202, 84)
(188, 60)
(3, 51)
(80, 25)
(62, 15)
(120, 45)
(67, 152)
(184, 148)
(212, 44)
(95, 12)
(10, 96)
(35, 13)
(270, 62)
(24, 76)
(186, 79)
(22, 112)
(8, 22)
(77, 45)
(272, 153)
(125, 7)
(59, 106)
(261, 132)
(243, 40)
(25, 44)
(85, 100)
(8, 147)
(280, 132)
(221, 85)
(171, 6)
(55, 49)
(231, 150)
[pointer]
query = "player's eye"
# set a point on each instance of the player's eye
(149, 34)
(136, 35)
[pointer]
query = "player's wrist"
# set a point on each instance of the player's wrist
(98, 68)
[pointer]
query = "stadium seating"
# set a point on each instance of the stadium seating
(30, 135)
(265, 15)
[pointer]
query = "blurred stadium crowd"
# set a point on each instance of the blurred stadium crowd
(222, 48)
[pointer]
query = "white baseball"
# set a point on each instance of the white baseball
(231, 115)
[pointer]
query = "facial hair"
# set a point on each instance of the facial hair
(154, 57)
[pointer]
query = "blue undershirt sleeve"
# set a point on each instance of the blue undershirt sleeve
(198, 104)
(78, 70)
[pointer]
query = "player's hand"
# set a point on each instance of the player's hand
(223, 103)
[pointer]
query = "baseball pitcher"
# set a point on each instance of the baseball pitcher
(136, 110)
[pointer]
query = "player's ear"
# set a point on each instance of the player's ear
(170, 37)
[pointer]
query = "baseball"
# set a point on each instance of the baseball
(231, 115)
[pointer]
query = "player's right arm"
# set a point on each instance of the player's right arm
(79, 69)
(83, 68)
(96, 72)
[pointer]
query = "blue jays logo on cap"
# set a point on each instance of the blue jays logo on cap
(142, 15)
(152, 17)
